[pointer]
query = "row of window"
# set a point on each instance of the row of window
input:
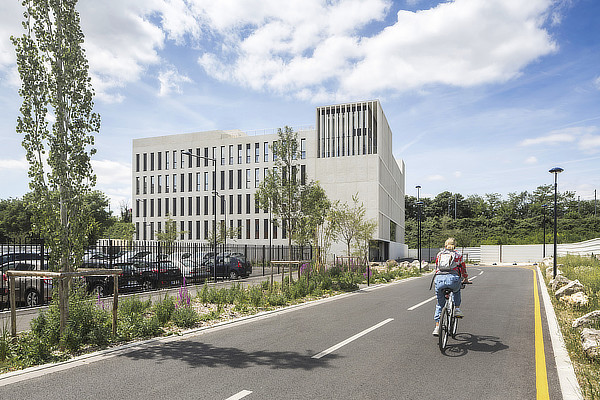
(154, 161)
(169, 183)
(200, 230)
(200, 205)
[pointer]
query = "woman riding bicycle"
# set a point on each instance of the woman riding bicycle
(449, 273)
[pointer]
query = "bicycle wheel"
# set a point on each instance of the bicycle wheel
(444, 329)
(453, 324)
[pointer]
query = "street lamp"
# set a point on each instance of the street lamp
(419, 203)
(555, 171)
(214, 161)
(544, 206)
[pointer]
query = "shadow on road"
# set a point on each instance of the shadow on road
(197, 354)
(469, 342)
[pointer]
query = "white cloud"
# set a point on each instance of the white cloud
(558, 136)
(114, 179)
(590, 143)
(21, 164)
(531, 160)
(597, 83)
(170, 81)
(435, 178)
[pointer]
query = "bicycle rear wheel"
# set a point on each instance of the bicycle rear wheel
(453, 324)
(444, 329)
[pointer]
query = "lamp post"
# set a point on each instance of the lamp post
(555, 171)
(214, 161)
(419, 203)
(544, 206)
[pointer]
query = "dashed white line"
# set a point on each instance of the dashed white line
(421, 303)
(345, 342)
(239, 395)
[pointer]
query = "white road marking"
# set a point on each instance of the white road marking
(239, 395)
(421, 303)
(353, 338)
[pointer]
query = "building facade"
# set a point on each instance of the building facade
(348, 151)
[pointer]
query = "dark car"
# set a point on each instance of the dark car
(19, 256)
(29, 290)
(156, 274)
(231, 266)
(130, 279)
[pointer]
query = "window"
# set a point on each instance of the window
(247, 153)
(266, 228)
(239, 203)
(248, 203)
(166, 160)
(198, 182)
(159, 183)
(145, 161)
(182, 161)
(158, 208)
(303, 148)
(214, 181)
(152, 185)
(166, 183)
(256, 177)
(167, 206)
(303, 174)
(206, 156)
(256, 152)
(198, 230)
(230, 179)
(247, 179)
(266, 151)
(274, 151)
(206, 181)
(239, 174)
(190, 205)
(174, 159)
(182, 230)
(239, 153)
(247, 229)
(152, 207)
(283, 229)
(189, 157)
(274, 229)
(205, 205)
(222, 155)
(239, 228)
(151, 161)
(137, 231)
(198, 206)
(137, 185)
(174, 183)
(137, 163)
(230, 154)
(137, 208)
(174, 206)
(158, 227)
(222, 180)
(159, 160)
(144, 207)
(189, 181)
(189, 230)
(205, 230)
(182, 181)
(198, 159)
(222, 204)
(145, 185)
(230, 204)
(151, 230)
(256, 229)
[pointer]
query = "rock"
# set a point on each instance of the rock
(547, 262)
(550, 272)
(569, 289)
(590, 341)
(559, 282)
(576, 299)
(415, 264)
(587, 319)
(404, 265)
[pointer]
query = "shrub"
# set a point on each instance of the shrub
(163, 310)
(185, 317)
(133, 321)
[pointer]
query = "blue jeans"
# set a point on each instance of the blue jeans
(441, 282)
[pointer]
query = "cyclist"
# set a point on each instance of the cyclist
(449, 273)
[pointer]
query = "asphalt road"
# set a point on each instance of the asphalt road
(366, 345)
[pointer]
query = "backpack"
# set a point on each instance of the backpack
(446, 261)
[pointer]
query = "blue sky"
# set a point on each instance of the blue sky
(483, 96)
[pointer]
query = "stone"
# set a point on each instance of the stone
(587, 319)
(569, 289)
(559, 282)
(404, 265)
(590, 341)
(550, 272)
(415, 264)
(576, 299)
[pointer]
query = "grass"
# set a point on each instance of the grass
(89, 325)
(587, 271)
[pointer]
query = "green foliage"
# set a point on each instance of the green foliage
(185, 317)
(163, 309)
(352, 227)
(55, 81)
(15, 220)
(135, 320)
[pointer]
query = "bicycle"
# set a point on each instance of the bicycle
(448, 320)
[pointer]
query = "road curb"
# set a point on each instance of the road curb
(566, 374)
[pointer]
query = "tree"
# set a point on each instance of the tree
(15, 220)
(352, 227)
(281, 190)
(56, 91)
(315, 206)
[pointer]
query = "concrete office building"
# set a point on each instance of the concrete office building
(349, 151)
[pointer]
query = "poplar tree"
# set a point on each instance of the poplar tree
(57, 124)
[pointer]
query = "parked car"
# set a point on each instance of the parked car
(231, 266)
(130, 279)
(31, 291)
(159, 273)
(19, 256)
(193, 269)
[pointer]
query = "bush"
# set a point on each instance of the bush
(185, 317)
(133, 321)
(164, 309)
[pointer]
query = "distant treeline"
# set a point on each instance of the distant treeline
(475, 220)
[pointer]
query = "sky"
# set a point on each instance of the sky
(482, 96)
